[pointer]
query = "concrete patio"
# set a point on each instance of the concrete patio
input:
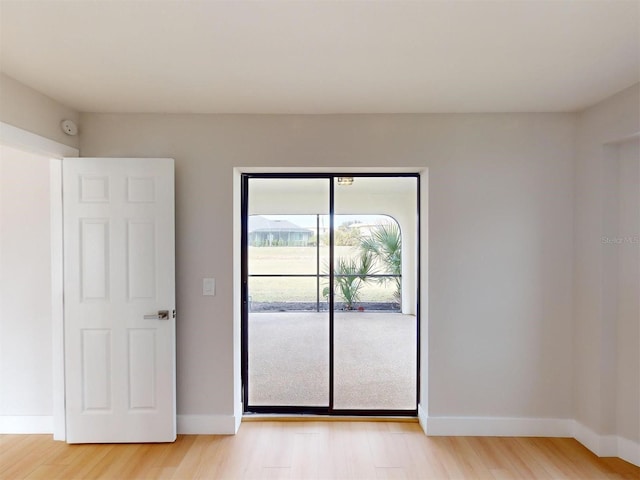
(374, 360)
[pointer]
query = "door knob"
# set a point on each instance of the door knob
(161, 315)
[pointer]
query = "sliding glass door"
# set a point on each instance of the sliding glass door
(330, 310)
(375, 329)
(287, 318)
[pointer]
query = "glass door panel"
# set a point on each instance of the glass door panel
(287, 318)
(375, 326)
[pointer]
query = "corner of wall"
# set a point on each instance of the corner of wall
(28, 109)
(607, 445)
(612, 120)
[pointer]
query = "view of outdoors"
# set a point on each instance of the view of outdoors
(362, 355)
(289, 262)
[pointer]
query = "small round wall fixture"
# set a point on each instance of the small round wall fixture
(69, 127)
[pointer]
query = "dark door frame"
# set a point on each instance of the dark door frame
(329, 410)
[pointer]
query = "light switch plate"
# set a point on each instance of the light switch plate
(209, 286)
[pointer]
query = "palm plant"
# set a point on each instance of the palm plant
(350, 274)
(385, 245)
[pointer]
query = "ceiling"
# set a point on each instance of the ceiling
(274, 56)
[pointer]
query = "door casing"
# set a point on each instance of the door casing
(25, 140)
(330, 176)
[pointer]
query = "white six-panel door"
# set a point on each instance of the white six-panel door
(119, 268)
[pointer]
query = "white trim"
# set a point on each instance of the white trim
(26, 424)
(423, 360)
(422, 418)
(25, 140)
(499, 426)
(237, 299)
(208, 424)
(422, 172)
(601, 445)
(629, 450)
(57, 295)
(330, 170)
(607, 445)
(238, 419)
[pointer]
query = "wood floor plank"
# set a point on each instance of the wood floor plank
(311, 450)
(22, 462)
(192, 462)
(334, 455)
(578, 455)
(13, 449)
(528, 462)
(473, 465)
(281, 441)
(553, 460)
(360, 461)
(426, 463)
(617, 466)
(388, 447)
(488, 449)
(46, 472)
(83, 460)
(180, 448)
(161, 473)
(503, 474)
(214, 457)
(444, 450)
(257, 453)
(499, 461)
(308, 455)
(391, 473)
(114, 465)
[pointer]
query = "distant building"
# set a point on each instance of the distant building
(365, 229)
(277, 233)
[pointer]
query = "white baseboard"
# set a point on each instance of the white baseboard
(28, 424)
(238, 421)
(607, 445)
(601, 445)
(499, 427)
(629, 451)
(422, 418)
(187, 424)
(208, 424)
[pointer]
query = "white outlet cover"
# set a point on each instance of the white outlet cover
(209, 286)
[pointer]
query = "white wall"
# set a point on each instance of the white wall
(25, 289)
(30, 110)
(500, 223)
(27, 109)
(627, 245)
(603, 400)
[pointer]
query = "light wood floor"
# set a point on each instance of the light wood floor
(313, 449)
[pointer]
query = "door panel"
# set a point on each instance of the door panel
(375, 326)
(119, 273)
(287, 319)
